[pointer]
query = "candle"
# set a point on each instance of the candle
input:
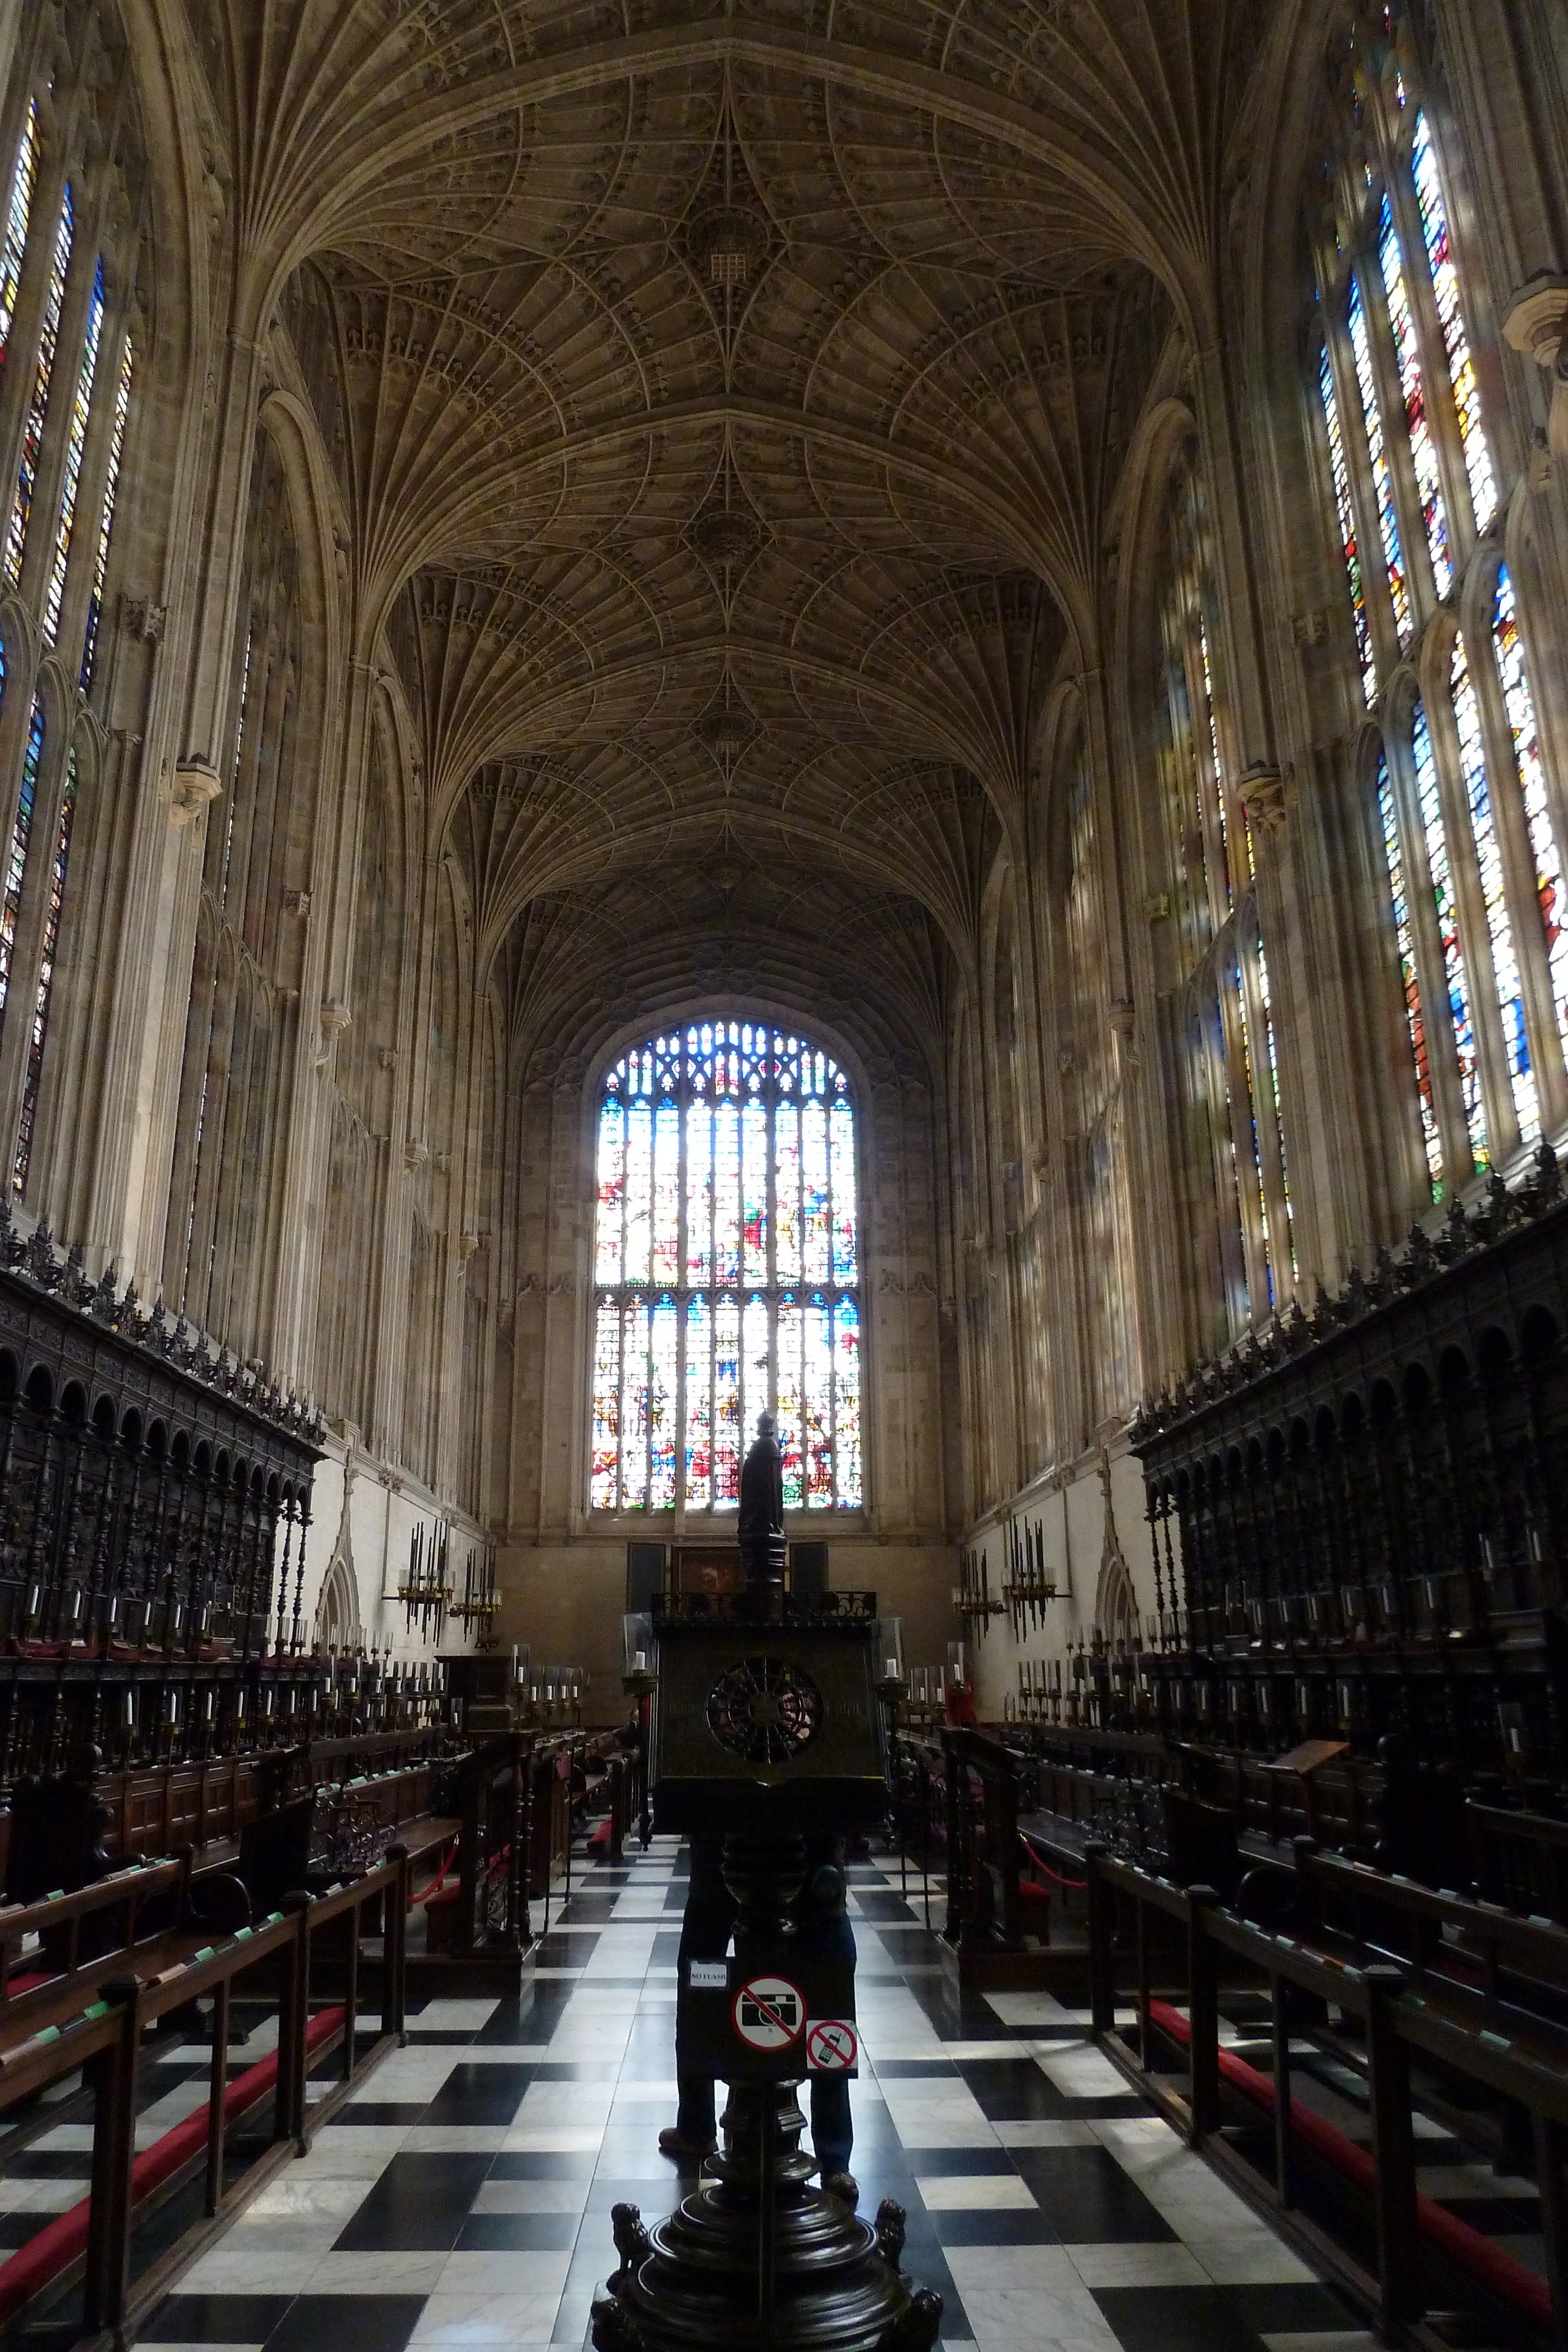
(640, 1663)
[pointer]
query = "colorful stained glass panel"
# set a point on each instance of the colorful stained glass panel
(699, 1195)
(847, 1402)
(663, 1403)
(1378, 455)
(634, 1372)
(786, 1191)
(667, 1192)
(841, 1164)
(819, 1386)
(38, 406)
(15, 866)
(1350, 543)
(605, 1467)
(1429, 801)
(45, 979)
(754, 1190)
(791, 1405)
(106, 517)
(76, 444)
(1520, 704)
(1413, 389)
(639, 1192)
(1500, 926)
(727, 1449)
(612, 1208)
(1451, 316)
(18, 212)
(1414, 1019)
(699, 1404)
(727, 1193)
(755, 1372)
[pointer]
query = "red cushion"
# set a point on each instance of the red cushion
(1465, 2248)
(63, 2240)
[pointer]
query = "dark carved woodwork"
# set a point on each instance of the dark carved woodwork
(1372, 1511)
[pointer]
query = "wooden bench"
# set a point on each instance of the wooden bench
(282, 1957)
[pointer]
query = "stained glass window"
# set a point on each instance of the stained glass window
(32, 429)
(1456, 340)
(1255, 1153)
(1207, 667)
(45, 978)
(1413, 388)
(1429, 802)
(15, 866)
(1377, 453)
(1388, 817)
(1500, 928)
(1265, 998)
(76, 444)
(725, 1259)
(1348, 539)
(17, 214)
(106, 519)
(1519, 703)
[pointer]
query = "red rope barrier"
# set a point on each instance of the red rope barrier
(438, 1882)
(1072, 1885)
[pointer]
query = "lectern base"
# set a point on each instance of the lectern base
(757, 2257)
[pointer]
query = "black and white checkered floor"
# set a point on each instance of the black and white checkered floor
(463, 2201)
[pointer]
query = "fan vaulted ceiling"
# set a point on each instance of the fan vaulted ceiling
(726, 404)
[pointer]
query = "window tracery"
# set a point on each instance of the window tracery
(1463, 810)
(68, 242)
(1234, 1146)
(727, 1271)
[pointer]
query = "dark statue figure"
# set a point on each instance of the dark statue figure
(762, 1483)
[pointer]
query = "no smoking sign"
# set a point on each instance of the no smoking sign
(832, 2045)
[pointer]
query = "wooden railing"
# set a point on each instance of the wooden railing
(1401, 2014)
(285, 1956)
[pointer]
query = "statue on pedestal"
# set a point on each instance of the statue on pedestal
(761, 1527)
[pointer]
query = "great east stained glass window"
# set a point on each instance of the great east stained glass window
(727, 1271)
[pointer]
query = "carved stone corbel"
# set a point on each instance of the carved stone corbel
(1262, 794)
(1538, 326)
(335, 1018)
(195, 786)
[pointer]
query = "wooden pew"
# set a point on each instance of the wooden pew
(287, 1957)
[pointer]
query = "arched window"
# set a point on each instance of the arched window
(1464, 810)
(727, 1271)
(1235, 1153)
